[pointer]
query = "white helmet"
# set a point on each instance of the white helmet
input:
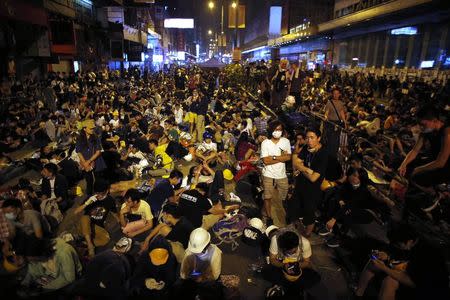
(290, 100)
(270, 229)
(198, 240)
(257, 224)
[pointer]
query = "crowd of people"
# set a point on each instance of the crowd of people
(125, 182)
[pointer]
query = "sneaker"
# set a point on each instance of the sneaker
(325, 231)
(333, 242)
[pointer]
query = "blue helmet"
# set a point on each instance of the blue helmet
(207, 135)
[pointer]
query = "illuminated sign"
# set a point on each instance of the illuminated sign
(447, 61)
(358, 6)
(275, 20)
(179, 23)
(426, 64)
(157, 58)
(404, 31)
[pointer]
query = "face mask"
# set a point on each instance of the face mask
(10, 216)
(102, 197)
(277, 134)
(355, 186)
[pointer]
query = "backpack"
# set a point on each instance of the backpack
(228, 230)
(50, 210)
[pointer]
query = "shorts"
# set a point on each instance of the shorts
(192, 117)
(270, 184)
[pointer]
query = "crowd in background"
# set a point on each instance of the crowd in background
(123, 182)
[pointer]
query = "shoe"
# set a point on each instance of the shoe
(325, 231)
(333, 242)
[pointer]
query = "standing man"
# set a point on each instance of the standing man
(275, 152)
(336, 116)
(202, 109)
(296, 83)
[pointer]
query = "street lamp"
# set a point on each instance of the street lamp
(234, 5)
(209, 32)
(211, 5)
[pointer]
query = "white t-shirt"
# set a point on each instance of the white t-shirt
(143, 210)
(178, 116)
(306, 249)
(209, 147)
(269, 149)
(114, 123)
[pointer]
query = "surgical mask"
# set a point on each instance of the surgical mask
(312, 150)
(355, 186)
(102, 197)
(427, 130)
(277, 134)
(10, 216)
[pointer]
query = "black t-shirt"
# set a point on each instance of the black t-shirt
(436, 141)
(357, 198)
(112, 159)
(98, 210)
(159, 194)
(427, 269)
(193, 206)
(181, 232)
(316, 161)
(143, 125)
(110, 268)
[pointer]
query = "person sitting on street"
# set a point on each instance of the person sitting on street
(95, 211)
(174, 228)
(412, 268)
(135, 215)
(156, 271)
(55, 186)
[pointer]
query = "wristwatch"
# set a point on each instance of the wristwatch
(274, 157)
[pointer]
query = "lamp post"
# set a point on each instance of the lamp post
(235, 5)
(211, 6)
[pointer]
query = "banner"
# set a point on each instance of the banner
(232, 17)
(222, 40)
(237, 54)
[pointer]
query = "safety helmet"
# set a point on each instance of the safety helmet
(257, 224)
(207, 135)
(198, 240)
(227, 174)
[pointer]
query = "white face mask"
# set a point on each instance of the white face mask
(10, 216)
(311, 150)
(277, 134)
(355, 186)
